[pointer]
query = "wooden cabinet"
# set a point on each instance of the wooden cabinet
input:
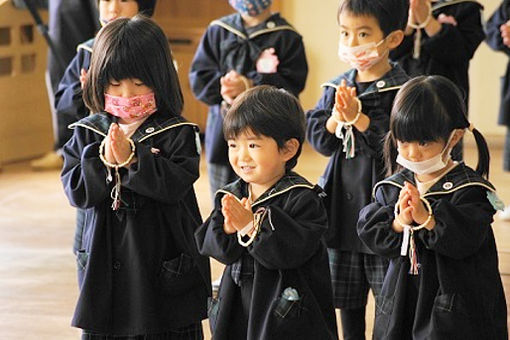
(184, 23)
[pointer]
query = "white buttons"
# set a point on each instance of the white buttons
(380, 83)
(270, 24)
(149, 130)
(447, 185)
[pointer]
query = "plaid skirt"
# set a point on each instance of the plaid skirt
(193, 332)
(352, 275)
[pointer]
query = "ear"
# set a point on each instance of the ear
(395, 39)
(457, 136)
(290, 149)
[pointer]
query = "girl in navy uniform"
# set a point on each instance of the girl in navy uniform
(498, 38)
(267, 228)
(69, 105)
(251, 47)
(348, 125)
(432, 219)
(131, 166)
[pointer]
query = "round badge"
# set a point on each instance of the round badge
(149, 130)
(271, 24)
(447, 185)
(380, 83)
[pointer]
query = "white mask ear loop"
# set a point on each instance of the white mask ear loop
(408, 237)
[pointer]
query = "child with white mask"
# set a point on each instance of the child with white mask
(432, 219)
(348, 125)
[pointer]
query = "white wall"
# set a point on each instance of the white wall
(316, 21)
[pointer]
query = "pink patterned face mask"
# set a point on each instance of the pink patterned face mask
(132, 108)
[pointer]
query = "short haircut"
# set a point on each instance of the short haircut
(133, 48)
(270, 112)
(390, 14)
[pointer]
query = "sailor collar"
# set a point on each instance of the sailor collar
(458, 178)
(288, 182)
(87, 45)
(153, 125)
(391, 81)
(234, 24)
(447, 3)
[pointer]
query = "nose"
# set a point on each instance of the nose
(352, 40)
(113, 8)
(244, 154)
(413, 153)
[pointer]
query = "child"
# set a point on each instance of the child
(267, 228)
(68, 103)
(251, 47)
(498, 38)
(348, 124)
(441, 37)
(439, 213)
(132, 166)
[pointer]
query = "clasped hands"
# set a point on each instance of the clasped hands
(117, 148)
(411, 209)
(237, 214)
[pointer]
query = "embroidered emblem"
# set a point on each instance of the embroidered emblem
(497, 204)
(447, 185)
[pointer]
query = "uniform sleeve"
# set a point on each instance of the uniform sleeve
(371, 140)
(374, 227)
(205, 70)
(292, 70)
(83, 174)
(213, 241)
(462, 223)
(290, 235)
(167, 175)
(498, 18)
(457, 43)
(319, 137)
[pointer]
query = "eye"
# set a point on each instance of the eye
(114, 83)
(424, 144)
(253, 146)
(363, 34)
(344, 34)
(231, 145)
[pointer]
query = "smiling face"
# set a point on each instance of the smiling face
(356, 30)
(112, 9)
(257, 160)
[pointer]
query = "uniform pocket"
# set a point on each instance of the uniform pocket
(82, 258)
(179, 275)
(451, 317)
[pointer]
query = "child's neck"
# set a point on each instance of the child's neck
(375, 72)
(435, 175)
(256, 190)
(250, 21)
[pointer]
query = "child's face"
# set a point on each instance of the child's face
(418, 152)
(127, 88)
(360, 30)
(112, 9)
(257, 159)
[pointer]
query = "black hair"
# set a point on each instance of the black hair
(390, 14)
(270, 112)
(427, 109)
(133, 48)
(145, 7)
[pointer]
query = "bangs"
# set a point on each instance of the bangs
(236, 124)
(409, 114)
(126, 60)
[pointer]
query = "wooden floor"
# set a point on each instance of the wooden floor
(38, 286)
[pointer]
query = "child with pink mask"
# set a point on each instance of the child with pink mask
(131, 167)
(348, 125)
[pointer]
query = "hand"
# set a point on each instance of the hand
(236, 214)
(505, 33)
(405, 208)
(108, 154)
(232, 85)
(446, 19)
(83, 77)
(267, 61)
(419, 10)
(418, 211)
(120, 146)
(346, 105)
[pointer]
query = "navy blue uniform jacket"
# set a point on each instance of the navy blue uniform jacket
(69, 105)
(288, 252)
(459, 290)
(494, 40)
(449, 51)
(348, 183)
(142, 271)
(226, 46)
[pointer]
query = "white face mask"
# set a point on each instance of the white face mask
(430, 165)
(361, 57)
